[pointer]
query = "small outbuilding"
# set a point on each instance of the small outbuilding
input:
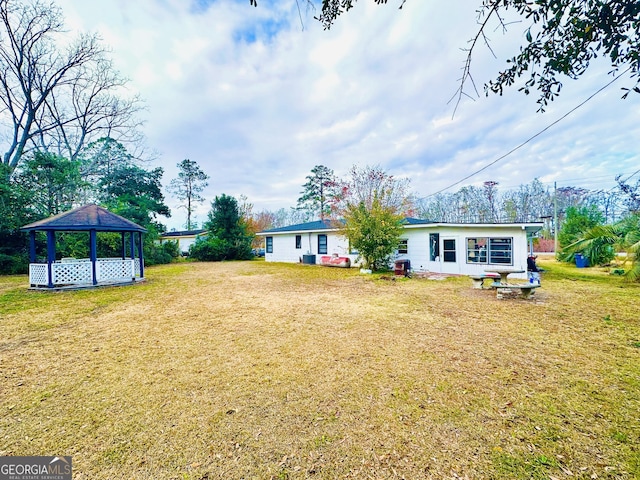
(56, 273)
(185, 238)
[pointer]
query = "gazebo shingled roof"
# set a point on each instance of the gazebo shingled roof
(88, 217)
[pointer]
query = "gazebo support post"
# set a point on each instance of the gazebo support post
(124, 246)
(140, 254)
(93, 254)
(132, 246)
(132, 252)
(51, 254)
(32, 246)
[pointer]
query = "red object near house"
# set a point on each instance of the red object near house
(402, 268)
(335, 261)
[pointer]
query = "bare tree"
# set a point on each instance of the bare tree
(471, 204)
(291, 216)
(490, 189)
(90, 108)
(364, 184)
(528, 203)
(53, 97)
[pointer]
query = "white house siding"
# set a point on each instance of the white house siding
(284, 246)
(185, 242)
(418, 248)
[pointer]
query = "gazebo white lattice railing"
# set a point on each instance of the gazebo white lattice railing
(70, 272)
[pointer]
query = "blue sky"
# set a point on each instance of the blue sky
(258, 98)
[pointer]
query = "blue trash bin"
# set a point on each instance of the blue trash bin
(581, 261)
(534, 278)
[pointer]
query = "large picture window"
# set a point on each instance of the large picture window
(322, 244)
(500, 251)
(269, 242)
(496, 251)
(477, 250)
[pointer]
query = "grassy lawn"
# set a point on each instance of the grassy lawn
(255, 370)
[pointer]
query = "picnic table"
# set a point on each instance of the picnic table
(504, 272)
(502, 286)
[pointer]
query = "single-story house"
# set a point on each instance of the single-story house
(452, 248)
(185, 238)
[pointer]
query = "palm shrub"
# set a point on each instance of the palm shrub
(601, 240)
(580, 221)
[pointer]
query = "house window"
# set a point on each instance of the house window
(269, 241)
(500, 251)
(449, 250)
(322, 244)
(434, 246)
(496, 251)
(403, 246)
(298, 241)
(477, 250)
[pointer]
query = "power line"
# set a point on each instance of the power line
(532, 137)
(630, 176)
(577, 181)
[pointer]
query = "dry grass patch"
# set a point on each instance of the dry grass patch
(256, 370)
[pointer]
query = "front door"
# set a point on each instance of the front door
(449, 250)
(449, 256)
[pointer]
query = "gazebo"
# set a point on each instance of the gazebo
(85, 272)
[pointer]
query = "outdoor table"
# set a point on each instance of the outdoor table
(504, 273)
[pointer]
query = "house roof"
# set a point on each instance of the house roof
(88, 217)
(415, 221)
(330, 225)
(408, 222)
(529, 227)
(183, 233)
(302, 227)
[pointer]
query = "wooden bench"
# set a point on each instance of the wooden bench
(526, 289)
(478, 280)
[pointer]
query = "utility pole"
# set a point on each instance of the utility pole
(555, 218)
